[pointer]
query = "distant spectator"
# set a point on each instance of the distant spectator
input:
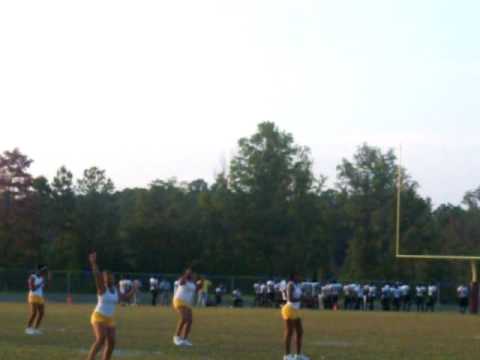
(203, 293)
(463, 293)
(263, 295)
(386, 297)
(397, 295)
(137, 294)
(406, 297)
(154, 290)
(165, 289)
(371, 297)
(257, 288)
(432, 294)
(237, 298)
(219, 292)
(420, 293)
(125, 285)
(270, 293)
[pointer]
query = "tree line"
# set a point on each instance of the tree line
(267, 213)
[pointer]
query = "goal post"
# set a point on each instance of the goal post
(474, 285)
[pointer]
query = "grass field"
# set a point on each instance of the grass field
(231, 334)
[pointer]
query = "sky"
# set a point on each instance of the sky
(159, 89)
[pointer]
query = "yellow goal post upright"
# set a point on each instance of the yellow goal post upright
(474, 286)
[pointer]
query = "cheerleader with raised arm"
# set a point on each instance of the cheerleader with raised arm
(102, 319)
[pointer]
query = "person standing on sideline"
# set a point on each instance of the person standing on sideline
(125, 285)
(432, 294)
(397, 296)
(165, 289)
(219, 292)
(237, 298)
(202, 300)
(371, 297)
(406, 297)
(463, 293)
(154, 289)
(36, 285)
(420, 292)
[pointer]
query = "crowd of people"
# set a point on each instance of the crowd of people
(162, 292)
(328, 296)
(353, 296)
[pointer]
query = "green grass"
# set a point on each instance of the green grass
(230, 334)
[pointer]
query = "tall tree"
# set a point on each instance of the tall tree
(97, 216)
(17, 213)
(269, 175)
(369, 183)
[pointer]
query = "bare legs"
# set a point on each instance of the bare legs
(291, 327)
(104, 338)
(37, 312)
(185, 323)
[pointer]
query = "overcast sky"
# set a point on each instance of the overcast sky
(157, 89)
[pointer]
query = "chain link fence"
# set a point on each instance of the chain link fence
(79, 287)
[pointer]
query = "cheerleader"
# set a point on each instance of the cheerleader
(183, 300)
(102, 318)
(36, 284)
(292, 319)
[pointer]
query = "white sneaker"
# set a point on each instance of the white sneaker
(288, 357)
(29, 331)
(37, 332)
(185, 342)
(177, 341)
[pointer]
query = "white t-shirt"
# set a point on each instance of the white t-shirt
(359, 291)
(462, 292)
(421, 290)
(432, 290)
(263, 288)
(397, 293)
(153, 284)
(270, 287)
(125, 285)
(404, 289)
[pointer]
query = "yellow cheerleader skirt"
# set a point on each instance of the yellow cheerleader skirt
(178, 304)
(290, 313)
(98, 318)
(35, 299)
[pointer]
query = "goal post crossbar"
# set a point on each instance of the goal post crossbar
(398, 253)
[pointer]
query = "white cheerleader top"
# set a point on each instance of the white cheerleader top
(296, 296)
(39, 283)
(186, 292)
(107, 302)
